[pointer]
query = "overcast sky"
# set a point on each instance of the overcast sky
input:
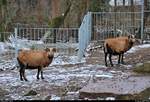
(119, 2)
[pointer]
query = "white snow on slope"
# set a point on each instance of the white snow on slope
(65, 60)
(135, 48)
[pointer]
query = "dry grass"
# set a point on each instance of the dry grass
(144, 68)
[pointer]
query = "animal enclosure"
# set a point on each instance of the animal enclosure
(96, 26)
(64, 39)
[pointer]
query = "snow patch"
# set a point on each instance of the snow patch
(135, 48)
(21, 43)
(65, 60)
(9, 64)
(54, 97)
(104, 76)
(72, 93)
(110, 98)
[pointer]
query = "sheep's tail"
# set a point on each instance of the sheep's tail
(20, 63)
(105, 46)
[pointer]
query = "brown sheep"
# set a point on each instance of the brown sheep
(34, 59)
(117, 46)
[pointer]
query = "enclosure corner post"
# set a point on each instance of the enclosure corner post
(16, 47)
(142, 21)
(84, 34)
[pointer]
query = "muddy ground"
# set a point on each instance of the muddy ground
(65, 81)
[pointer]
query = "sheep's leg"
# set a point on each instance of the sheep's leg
(42, 74)
(106, 59)
(122, 59)
(119, 59)
(39, 69)
(24, 74)
(21, 72)
(110, 60)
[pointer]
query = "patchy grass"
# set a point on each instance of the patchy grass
(3, 93)
(144, 68)
(144, 95)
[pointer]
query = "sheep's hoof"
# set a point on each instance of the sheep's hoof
(25, 79)
(21, 79)
(122, 63)
(118, 62)
(42, 77)
(38, 78)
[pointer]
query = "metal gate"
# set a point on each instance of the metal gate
(113, 24)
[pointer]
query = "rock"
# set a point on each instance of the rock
(138, 64)
(114, 87)
(31, 93)
(71, 96)
(142, 68)
(48, 97)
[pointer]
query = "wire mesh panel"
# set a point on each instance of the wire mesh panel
(113, 24)
(147, 25)
(7, 52)
(4, 36)
(65, 39)
(84, 34)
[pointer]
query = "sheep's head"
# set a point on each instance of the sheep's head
(50, 51)
(132, 38)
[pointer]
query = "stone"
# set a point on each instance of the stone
(114, 87)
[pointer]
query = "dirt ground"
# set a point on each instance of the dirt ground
(96, 89)
(65, 81)
(140, 56)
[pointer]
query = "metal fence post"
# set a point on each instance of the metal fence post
(84, 35)
(90, 26)
(16, 47)
(142, 20)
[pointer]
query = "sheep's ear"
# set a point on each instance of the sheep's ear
(54, 49)
(47, 49)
